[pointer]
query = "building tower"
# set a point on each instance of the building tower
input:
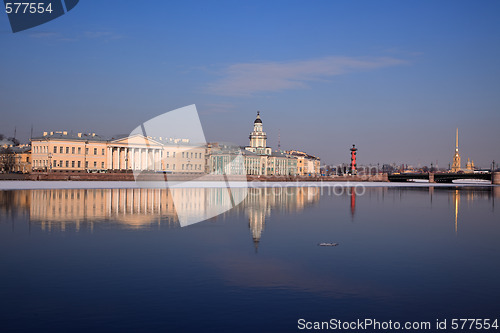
(353, 168)
(258, 138)
(456, 166)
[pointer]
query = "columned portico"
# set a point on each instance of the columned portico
(134, 153)
(122, 158)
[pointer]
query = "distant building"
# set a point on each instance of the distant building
(258, 158)
(22, 159)
(456, 166)
(470, 166)
(307, 165)
(261, 160)
(258, 139)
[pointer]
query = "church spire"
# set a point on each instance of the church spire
(456, 158)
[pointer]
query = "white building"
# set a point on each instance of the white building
(259, 159)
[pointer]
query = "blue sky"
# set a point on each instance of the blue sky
(394, 77)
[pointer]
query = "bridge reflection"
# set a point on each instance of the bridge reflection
(440, 177)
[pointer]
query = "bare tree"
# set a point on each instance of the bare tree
(7, 159)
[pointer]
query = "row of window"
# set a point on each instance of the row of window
(65, 150)
(63, 164)
(186, 154)
(78, 150)
(78, 164)
(185, 167)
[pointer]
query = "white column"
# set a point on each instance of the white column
(144, 159)
(133, 159)
(118, 158)
(141, 158)
(149, 155)
(108, 159)
(155, 158)
(127, 159)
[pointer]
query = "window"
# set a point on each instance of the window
(102, 164)
(61, 149)
(183, 166)
(174, 156)
(95, 164)
(86, 151)
(67, 164)
(67, 150)
(79, 164)
(173, 167)
(191, 155)
(73, 150)
(72, 164)
(102, 153)
(79, 150)
(182, 154)
(168, 166)
(168, 154)
(55, 149)
(95, 151)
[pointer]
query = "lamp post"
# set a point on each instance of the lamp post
(50, 162)
(85, 156)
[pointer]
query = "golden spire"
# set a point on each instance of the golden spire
(456, 158)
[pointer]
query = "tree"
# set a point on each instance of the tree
(7, 159)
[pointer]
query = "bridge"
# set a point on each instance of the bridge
(444, 177)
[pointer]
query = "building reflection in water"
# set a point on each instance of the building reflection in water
(59, 209)
(132, 208)
(456, 202)
(259, 203)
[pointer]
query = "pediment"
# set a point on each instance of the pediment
(136, 140)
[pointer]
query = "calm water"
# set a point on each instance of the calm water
(117, 260)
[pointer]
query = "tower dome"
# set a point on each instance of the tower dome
(258, 120)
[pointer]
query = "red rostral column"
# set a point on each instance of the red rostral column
(353, 169)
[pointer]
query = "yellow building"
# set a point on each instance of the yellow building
(22, 159)
(60, 151)
(307, 165)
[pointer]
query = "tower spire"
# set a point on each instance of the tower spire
(456, 158)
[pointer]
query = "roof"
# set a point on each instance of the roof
(69, 136)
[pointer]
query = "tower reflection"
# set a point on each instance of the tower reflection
(77, 209)
(260, 202)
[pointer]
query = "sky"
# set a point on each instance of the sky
(396, 78)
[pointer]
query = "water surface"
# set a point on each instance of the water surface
(117, 260)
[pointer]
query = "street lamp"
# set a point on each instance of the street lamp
(50, 162)
(85, 156)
